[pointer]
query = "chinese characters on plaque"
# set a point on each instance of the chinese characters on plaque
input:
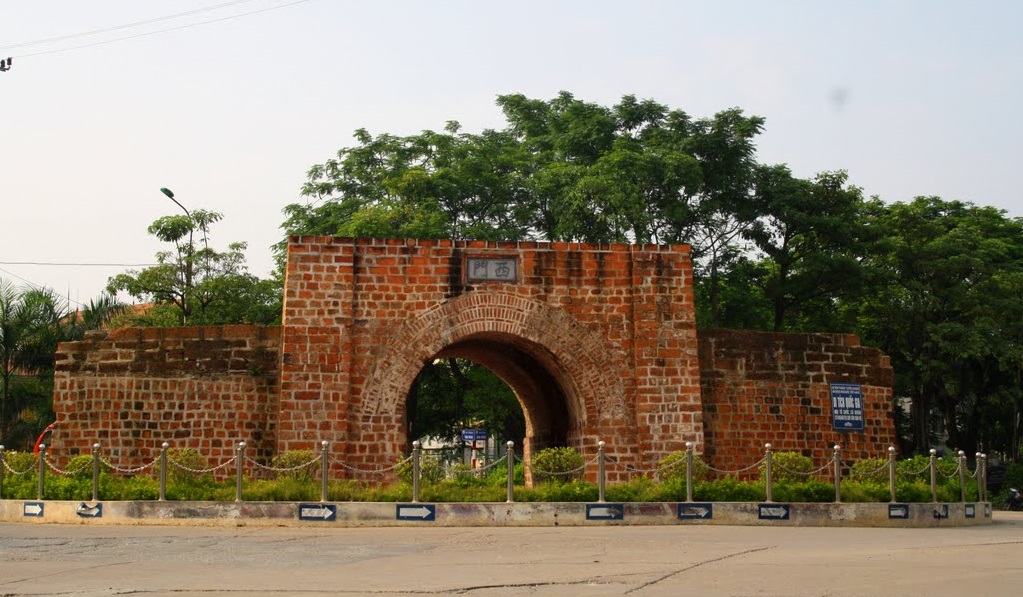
(484, 269)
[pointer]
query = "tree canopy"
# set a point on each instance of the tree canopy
(934, 283)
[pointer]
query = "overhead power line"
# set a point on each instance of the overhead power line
(77, 264)
(124, 26)
(148, 33)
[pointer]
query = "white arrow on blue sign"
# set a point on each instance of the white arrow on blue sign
(898, 511)
(324, 512)
(695, 511)
(33, 509)
(605, 511)
(426, 512)
(773, 511)
(86, 511)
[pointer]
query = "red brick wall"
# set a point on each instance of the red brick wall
(205, 388)
(761, 388)
(598, 341)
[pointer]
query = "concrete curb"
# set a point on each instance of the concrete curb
(377, 514)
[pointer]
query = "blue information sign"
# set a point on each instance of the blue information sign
(605, 511)
(847, 406)
(474, 435)
(425, 512)
(33, 509)
(898, 511)
(695, 511)
(773, 511)
(324, 512)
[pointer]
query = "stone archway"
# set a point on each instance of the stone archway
(569, 387)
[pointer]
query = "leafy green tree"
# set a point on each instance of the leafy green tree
(949, 313)
(195, 284)
(32, 323)
(453, 394)
(812, 235)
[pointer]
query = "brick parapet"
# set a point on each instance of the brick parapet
(761, 387)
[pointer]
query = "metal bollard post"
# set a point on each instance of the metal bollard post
(239, 457)
(600, 471)
(767, 473)
(324, 469)
(891, 471)
(689, 471)
(962, 475)
(984, 474)
(163, 471)
(415, 471)
(511, 471)
(3, 464)
(95, 472)
(934, 475)
(838, 474)
(42, 471)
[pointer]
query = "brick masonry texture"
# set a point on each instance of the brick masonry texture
(598, 342)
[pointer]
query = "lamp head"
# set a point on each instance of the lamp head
(167, 192)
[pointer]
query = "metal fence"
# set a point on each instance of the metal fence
(833, 470)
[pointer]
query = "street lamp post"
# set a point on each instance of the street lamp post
(188, 257)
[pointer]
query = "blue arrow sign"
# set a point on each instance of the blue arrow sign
(605, 511)
(324, 512)
(898, 511)
(773, 511)
(424, 512)
(33, 509)
(695, 511)
(86, 511)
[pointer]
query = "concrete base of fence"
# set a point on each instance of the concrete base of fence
(367, 514)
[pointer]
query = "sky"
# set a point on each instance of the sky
(230, 103)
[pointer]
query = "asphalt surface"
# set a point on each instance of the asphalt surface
(86, 560)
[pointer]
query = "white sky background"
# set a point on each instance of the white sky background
(911, 98)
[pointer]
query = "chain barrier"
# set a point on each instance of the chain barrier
(67, 473)
(779, 468)
(926, 468)
(492, 464)
(201, 471)
(356, 469)
(30, 469)
(631, 468)
(126, 471)
(950, 475)
(559, 473)
(854, 473)
(278, 469)
(736, 472)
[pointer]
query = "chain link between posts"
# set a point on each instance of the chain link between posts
(67, 473)
(126, 471)
(578, 469)
(30, 469)
(387, 469)
(741, 470)
(279, 469)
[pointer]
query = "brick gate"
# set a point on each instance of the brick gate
(598, 342)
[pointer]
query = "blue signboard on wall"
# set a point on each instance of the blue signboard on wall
(847, 406)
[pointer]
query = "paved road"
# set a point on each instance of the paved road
(87, 561)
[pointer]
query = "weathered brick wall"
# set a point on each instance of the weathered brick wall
(205, 388)
(598, 341)
(761, 388)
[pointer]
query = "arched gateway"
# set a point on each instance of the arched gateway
(598, 342)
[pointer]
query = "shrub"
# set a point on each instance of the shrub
(870, 470)
(558, 465)
(788, 467)
(430, 471)
(294, 465)
(463, 475)
(812, 490)
(673, 466)
(567, 491)
(181, 464)
(728, 490)
(865, 491)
